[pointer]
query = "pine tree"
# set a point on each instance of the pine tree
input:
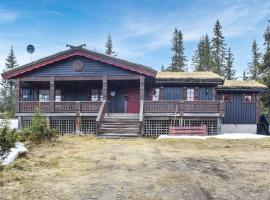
(265, 69)
(202, 55)
(229, 71)
(253, 66)
(218, 50)
(7, 91)
(178, 58)
(109, 46)
(244, 76)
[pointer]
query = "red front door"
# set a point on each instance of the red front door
(133, 101)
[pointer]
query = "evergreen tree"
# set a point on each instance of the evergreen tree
(218, 50)
(178, 58)
(244, 76)
(202, 55)
(229, 71)
(265, 69)
(7, 91)
(109, 46)
(253, 66)
(162, 68)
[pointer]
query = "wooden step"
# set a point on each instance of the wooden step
(118, 135)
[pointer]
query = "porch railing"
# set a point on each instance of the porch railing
(32, 106)
(60, 107)
(183, 106)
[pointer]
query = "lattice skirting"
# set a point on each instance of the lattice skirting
(64, 125)
(155, 127)
(88, 125)
(67, 125)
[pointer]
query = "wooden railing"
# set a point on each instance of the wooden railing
(101, 115)
(183, 106)
(32, 106)
(160, 106)
(60, 107)
(200, 106)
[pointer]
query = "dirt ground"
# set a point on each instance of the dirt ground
(80, 167)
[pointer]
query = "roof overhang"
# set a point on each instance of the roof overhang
(19, 71)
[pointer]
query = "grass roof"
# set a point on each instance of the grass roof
(188, 75)
(242, 84)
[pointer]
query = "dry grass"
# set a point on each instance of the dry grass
(87, 168)
(242, 84)
(188, 75)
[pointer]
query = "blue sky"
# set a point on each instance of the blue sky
(141, 29)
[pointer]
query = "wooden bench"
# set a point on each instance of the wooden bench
(188, 130)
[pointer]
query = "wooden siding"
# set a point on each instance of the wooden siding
(237, 112)
(172, 93)
(204, 95)
(177, 93)
(91, 68)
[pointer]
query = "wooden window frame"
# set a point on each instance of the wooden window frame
(189, 95)
(229, 98)
(252, 98)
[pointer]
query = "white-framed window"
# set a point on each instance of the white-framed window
(95, 95)
(226, 98)
(155, 96)
(190, 94)
(58, 96)
(44, 95)
(247, 99)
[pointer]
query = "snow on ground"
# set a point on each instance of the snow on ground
(14, 153)
(226, 136)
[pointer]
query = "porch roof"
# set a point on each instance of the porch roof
(79, 51)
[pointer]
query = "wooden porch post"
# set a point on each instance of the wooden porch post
(142, 83)
(18, 94)
(52, 94)
(104, 87)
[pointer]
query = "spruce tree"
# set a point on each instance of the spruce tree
(229, 71)
(7, 91)
(218, 50)
(244, 76)
(162, 68)
(178, 58)
(202, 55)
(253, 66)
(109, 46)
(265, 69)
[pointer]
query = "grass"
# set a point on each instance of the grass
(80, 167)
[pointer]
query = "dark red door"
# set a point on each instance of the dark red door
(133, 101)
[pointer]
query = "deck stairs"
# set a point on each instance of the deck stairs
(120, 125)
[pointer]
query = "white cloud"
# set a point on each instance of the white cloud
(8, 15)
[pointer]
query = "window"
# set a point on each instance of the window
(190, 94)
(96, 95)
(155, 96)
(44, 95)
(247, 98)
(58, 96)
(26, 94)
(226, 98)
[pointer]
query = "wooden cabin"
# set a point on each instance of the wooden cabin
(82, 91)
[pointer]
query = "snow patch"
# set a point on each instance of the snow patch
(226, 136)
(14, 153)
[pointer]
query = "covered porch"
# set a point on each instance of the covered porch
(122, 94)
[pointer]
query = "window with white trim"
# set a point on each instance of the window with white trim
(58, 96)
(44, 95)
(155, 96)
(190, 94)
